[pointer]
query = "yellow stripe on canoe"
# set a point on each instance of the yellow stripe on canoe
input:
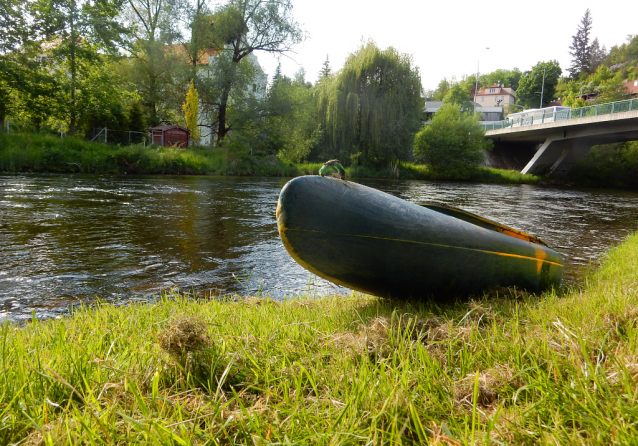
(540, 253)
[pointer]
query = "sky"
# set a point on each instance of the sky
(449, 38)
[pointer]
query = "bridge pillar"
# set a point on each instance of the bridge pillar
(556, 158)
(568, 159)
(546, 156)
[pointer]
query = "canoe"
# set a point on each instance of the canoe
(370, 241)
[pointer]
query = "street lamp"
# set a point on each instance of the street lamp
(477, 76)
(543, 87)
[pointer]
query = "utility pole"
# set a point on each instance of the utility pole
(543, 87)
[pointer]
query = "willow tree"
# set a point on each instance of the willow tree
(371, 109)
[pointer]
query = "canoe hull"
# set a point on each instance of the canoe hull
(376, 243)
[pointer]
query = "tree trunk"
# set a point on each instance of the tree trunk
(223, 105)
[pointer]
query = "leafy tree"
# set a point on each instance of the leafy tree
(157, 68)
(509, 78)
(453, 144)
(373, 106)
(79, 33)
(625, 57)
(581, 49)
(291, 119)
(531, 85)
(243, 105)
(460, 96)
(247, 26)
(14, 29)
(191, 108)
(442, 89)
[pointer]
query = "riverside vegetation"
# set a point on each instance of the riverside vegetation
(48, 153)
(504, 368)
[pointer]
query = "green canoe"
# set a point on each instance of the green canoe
(373, 242)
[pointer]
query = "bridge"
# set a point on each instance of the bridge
(551, 142)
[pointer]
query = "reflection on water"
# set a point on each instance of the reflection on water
(66, 240)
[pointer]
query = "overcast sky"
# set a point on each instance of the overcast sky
(449, 38)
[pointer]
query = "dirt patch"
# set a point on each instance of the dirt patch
(493, 383)
(184, 334)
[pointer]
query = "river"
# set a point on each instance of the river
(67, 240)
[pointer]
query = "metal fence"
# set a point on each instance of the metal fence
(541, 116)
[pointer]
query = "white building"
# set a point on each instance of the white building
(496, 96)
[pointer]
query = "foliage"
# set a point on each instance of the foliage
(191, 108)
(442, 89)
(325, 69)
(460, 96)
(610, 165)
(625, 58)
(290, 127)
(608, 87)
(247, 26)
(506, 367)
(508, 78)
(157, 69)
(372, 106)
(453, 144)
(581, 49)
(542, 79)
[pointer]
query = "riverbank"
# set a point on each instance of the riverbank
(509, 367)
(48, 153)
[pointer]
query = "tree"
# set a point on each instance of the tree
(79, 33)
(372, 107)
(325, 69)
(161, 64)
(531, 85)
(508, 78)
(460, 96)
(453, 144)
(247, 26)
(597, 55)
(191, 108)
(580, 49)
(442, 89)
(290, 127)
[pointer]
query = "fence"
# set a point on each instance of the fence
(101, 134)
(541, 116)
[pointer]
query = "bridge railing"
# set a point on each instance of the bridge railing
(541, 116)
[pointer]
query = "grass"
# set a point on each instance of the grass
(505, 368)
(47, 153)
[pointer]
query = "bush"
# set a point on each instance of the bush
(452, 144)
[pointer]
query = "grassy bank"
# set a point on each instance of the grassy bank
(508, 368)
(48, 153)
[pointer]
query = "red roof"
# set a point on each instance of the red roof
(497, 90)
(168, 127)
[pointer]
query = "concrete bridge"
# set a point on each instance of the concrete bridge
(551, 142)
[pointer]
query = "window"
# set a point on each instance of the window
(483, 99)
(492, 90)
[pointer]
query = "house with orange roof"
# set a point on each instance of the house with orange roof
(496, 96)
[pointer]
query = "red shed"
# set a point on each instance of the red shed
(170, 135)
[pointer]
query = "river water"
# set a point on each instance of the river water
(67, 240)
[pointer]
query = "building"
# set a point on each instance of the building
(169, 136)
(496, 96)
(632, 88)
(488, 114)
